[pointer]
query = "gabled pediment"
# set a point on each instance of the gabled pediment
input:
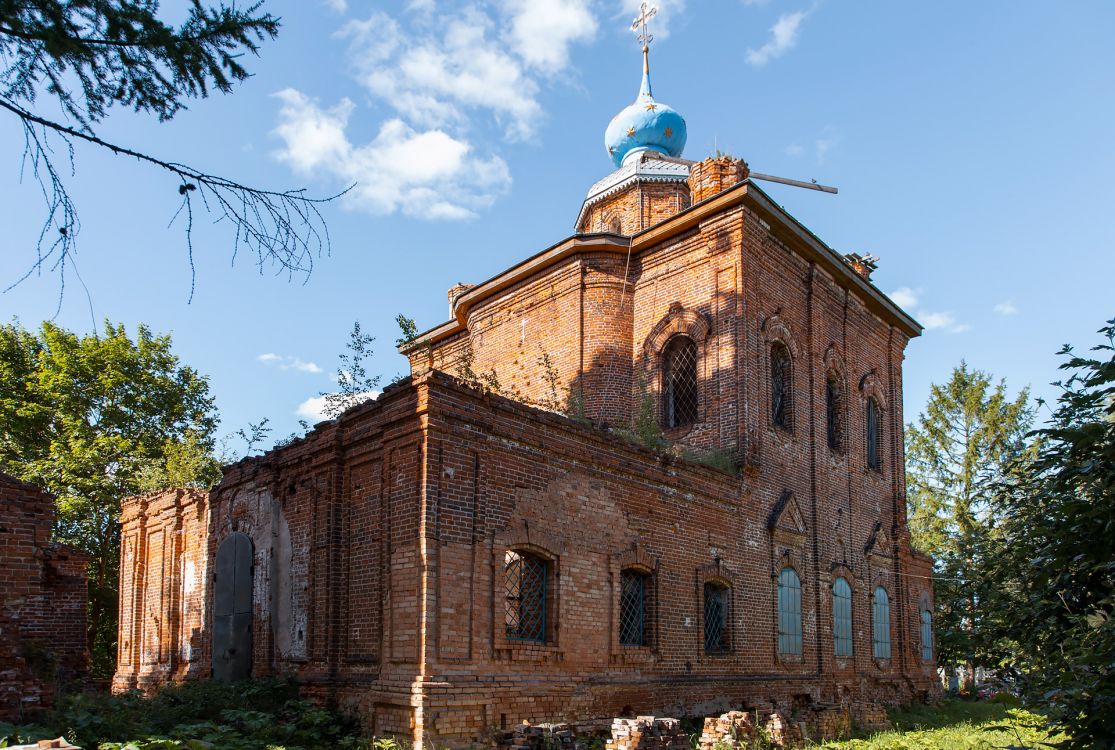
(877, 542)
(786, 516)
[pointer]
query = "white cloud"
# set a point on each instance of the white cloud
(783, 37)
(435, 81)
(795, 150)
(908, 299)
(338, 6)
(823, 145)
(427, 174)
(313, 408)
(904, 297)
(668, 10)
(1006, 308)
(541, 32)
(289, 363)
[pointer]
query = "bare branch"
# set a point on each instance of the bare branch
(282, 228)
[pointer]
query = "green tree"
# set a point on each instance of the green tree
(85, 56)
(1053, 577)
(354, 384)
(957, 451)
(94, 419)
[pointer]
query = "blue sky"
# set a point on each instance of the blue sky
(972, 144)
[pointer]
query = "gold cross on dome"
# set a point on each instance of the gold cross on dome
(639, 25)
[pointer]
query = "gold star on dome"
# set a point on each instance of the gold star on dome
(651, 107)
(669, 132)
(611, 149)
(630, 132)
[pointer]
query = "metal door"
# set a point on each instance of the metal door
(232, 610)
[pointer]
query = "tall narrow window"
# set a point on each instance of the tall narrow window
(789, 613)
(842, 617)
(880, 631)
(834, 407)
(926, 635)
(716, 618)
(781, 386)
(633, 608)
(679, 382)
(874, 425)
(525, 581)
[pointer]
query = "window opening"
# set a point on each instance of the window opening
(789, 613)
(716, 618)
(881, 628)
(633, 608)
(526, 579)
(842, 617)
(679, 375)
(781, 406)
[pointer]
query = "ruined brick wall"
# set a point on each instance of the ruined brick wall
(165, 565)
(42, 609)
(714, 175)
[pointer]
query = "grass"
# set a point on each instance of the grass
(258, 715)
(956, 725)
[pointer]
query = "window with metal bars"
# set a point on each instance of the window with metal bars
(781, 386)
(633, 608)
(679, 382)
(789, 613)
(834, 411)
(926, 635)
(874, 425)
(842, 617)
(880, 630)
(716, 618)
(525, 583)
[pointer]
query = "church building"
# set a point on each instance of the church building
(654, 468)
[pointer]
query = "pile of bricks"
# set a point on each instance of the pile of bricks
(527, 736)
(647, 733)
(783, 732)
(732, 730)
(827, 722)
(871, 716)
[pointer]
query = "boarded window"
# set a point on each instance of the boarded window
(789, 613)
(633, 609)
(525, 577)
(781, 386)
(842, 617)
(926, 635)
(874, 436)
(716, 618)
(880, 631)
(834, 412)
(679, 376)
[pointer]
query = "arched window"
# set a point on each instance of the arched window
(842, 617)
(526, 580)
(781, 386)
(880, 631)
(634, 609)
(679, 382)
(874, 435)
(926, 634)
(789, 613)
(716, 617)
(834, 410)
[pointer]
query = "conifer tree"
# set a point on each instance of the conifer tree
(957, 451)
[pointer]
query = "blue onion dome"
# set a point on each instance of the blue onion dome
(646, 125)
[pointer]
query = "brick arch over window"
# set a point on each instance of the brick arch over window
(781, 354)
(681, 320)
(871, 387)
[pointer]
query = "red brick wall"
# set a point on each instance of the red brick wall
(42, 608)
(637, 207)
(164, 567)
